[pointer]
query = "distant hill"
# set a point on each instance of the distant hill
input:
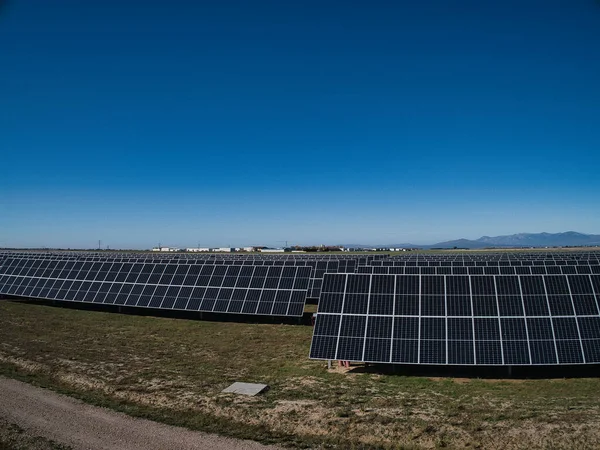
(566, 239)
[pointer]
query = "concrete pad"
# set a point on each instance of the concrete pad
(246, 388)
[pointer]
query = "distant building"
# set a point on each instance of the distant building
(273, 250)
(210, 249)
(166, 249)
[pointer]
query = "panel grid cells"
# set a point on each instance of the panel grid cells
(489, 318)
(254, 289)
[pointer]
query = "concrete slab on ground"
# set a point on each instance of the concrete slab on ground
(246, 388)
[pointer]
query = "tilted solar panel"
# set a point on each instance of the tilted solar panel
(260, 290)
(459, 319)
(581, 268)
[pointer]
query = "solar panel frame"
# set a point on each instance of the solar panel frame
(276, 290)
(524, 336)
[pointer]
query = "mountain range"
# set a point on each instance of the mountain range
(566, 239)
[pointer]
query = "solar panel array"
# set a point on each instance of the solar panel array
(229, 283)
(492, 257)
(524, 308)
(262, 290)
(482, 270)
(216, 257)
(459, 319)
(330, 263)
(329, 266)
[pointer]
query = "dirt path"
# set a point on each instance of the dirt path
(80, 426)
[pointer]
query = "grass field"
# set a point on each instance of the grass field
(173, 370)
(12, 437)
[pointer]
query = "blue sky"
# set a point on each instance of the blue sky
(246, 123)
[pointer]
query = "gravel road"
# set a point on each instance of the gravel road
(72, 423)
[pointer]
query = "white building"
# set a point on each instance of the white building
(198, 249)
(272, 250)
(166, 249)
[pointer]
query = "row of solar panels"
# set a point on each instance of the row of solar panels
(320, 267)
(497, 252)
(412, 257)
(408, 257)
(459, 319)
(492, 263)
(175, 257)
(314, 262)
(51, 268)
(466, 319)
(25, 265)
(163, 273)
(480, 270)
(347, 263)
(82, 269)
(209, 288)
(490, 255)
(357, 261)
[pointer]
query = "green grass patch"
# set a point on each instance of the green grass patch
(174, 370)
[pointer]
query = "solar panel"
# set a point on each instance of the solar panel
(459, 319)
(495, 262)
(581, 268)
(237, 289)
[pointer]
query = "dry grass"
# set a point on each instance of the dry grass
(310, 308)
(174, 370)
(12, 437)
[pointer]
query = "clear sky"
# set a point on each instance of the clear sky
(255, 122)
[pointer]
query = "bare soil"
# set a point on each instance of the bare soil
(63, 422)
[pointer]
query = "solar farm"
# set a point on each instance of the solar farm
(428, 349)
